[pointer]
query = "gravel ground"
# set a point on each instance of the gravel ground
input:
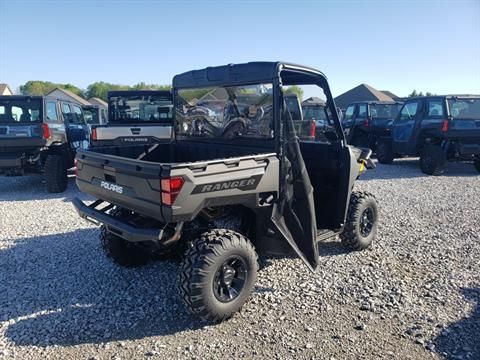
(414, 295)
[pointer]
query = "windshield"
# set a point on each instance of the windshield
(140, 108)
(90, 115)
(20, 110)
(384, 111)
(464, 108)
(225, 112)
(314, 113)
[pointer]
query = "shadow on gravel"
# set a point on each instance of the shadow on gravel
(461, 340)
(24, 188)
(409, 168)
(332, 248)
(61, 290)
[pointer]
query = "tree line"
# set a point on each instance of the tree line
(98, 89)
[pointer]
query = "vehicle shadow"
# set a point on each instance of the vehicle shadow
(409, 168)
(23, 188)
(62, 290)
(461, 340)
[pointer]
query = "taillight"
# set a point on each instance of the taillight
(312, 129)
(45, 131)
(171, 187)
(94, 134)
(366, 123)
(444, 125)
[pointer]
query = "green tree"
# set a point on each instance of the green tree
(144, 86)
(100, 89)
(414, 93)
(294, 89)
(37, 87)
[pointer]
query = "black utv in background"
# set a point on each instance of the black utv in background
(436, 128)
(40, 135)
(365, 122)
(235, 182)
(135, 117)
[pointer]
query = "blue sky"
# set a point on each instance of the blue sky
(391, 45)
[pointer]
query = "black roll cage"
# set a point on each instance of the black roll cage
(277, 73)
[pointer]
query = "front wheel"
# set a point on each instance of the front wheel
(362, 221)
(385, 152)
(218, 274)
(433, 160)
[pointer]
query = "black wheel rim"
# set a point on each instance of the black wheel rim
(367, 220)
(230, 279)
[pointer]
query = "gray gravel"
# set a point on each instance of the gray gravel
(414, 295)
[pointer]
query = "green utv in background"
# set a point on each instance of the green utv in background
(234, 183)
(40, 135)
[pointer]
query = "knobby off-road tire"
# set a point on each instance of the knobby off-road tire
(362, 221)
(122, 252)
(433, 160)
(384, 152)
(476, 163)
(218, 274)
(55, 173)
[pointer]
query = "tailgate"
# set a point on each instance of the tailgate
(15, 138)
(129, 183)
(459, 129)
(118, 135)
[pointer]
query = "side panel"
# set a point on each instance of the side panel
(249, 182)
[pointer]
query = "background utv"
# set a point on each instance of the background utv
(436, 128)
(40, 135)
(221, 197)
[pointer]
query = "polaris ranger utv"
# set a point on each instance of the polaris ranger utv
(249, 188)
(436, 128)
(367, 121)
(40, 135)
(135, 117)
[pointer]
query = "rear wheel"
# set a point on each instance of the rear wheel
(55, 172)
(121, 251)
(218, 274)
(433, 160)
(362, 219)
(476, 163)
(385, 152)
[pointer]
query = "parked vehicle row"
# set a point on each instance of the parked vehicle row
(40, 135)
(437, 129)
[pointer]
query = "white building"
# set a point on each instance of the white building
(5, 90)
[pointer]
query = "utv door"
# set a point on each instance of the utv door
(75, 126)
(403, 131)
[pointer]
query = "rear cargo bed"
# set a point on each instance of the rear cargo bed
(130, 176)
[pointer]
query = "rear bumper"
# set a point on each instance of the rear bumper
(469, 149)
(11, 161)
(115, 226)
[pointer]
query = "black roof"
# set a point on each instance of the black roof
(237, 74)
(21, 97)
(377, 102)
(451, 96)
(138, 92)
